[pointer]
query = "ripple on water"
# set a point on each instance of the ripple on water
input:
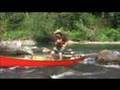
(78, 71)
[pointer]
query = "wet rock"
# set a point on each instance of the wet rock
(91, 55)
(108, 56)
(18, 43)
(45, 50)
(11, 44)
(105, 56)
(14, 51)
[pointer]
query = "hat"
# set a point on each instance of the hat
(57, 31)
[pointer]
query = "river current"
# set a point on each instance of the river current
(81, 71)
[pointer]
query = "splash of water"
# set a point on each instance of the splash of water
(92, 61)
(111, 66)
(62, 75)
(77, 73)
(89, 60)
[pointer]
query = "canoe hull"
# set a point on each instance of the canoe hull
(14, 62)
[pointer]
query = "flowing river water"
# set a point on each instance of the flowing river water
(80, 71)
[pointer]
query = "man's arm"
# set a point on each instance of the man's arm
(64, 45)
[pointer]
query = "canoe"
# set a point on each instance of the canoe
(6, 61)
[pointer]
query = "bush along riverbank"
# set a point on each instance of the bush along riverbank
(79, 26)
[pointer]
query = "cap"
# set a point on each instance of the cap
(57, 31)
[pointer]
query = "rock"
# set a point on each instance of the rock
(92, 55)
(17, 47)
(45, 50)
(108, 56)
(18, 42)
(27, 50)
(11, 44)
(15, 51)
(105, 56)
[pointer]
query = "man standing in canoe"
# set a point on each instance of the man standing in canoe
(60, 42)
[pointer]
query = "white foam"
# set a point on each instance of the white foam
(112, 66)
(12, 68)
(2, 70)
(62, 75)
(89, 61)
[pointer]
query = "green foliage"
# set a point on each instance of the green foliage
(21, 34)
(15, 20)
(76, 36)
(108, 34)
(43, 26)
(89, 19)
(98, 26)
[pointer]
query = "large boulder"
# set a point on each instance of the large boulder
(15, 51)
(16, 48)
(108, 56)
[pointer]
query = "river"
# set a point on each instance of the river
(80, 71)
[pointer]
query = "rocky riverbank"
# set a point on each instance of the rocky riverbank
(19, 43)
(31, 44)
(16, 47)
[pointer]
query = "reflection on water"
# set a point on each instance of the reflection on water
(84, 70)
